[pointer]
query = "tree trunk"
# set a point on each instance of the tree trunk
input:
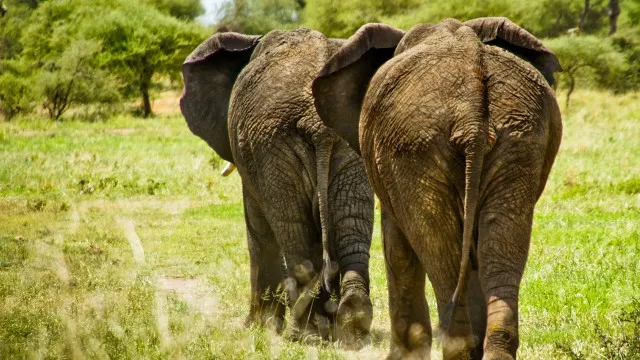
(145, 85)
(583, 17)
(614, 12)
(572, 85)
(146, 102)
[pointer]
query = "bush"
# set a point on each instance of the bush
(628, 43)
(75, 79)
(336, 18)
(17, 93)
(259, 17)
(587, 61)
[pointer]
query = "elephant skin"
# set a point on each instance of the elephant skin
(458, 128)
(307, 201)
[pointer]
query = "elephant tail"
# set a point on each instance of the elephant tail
(473, 171)
(474, 161)
(330, 266)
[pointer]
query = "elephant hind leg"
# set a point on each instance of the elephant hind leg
(410, 325)
(437, 241)
(502, 248)
(504, 234)
(267, 298)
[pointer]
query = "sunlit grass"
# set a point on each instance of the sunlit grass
(70, 285)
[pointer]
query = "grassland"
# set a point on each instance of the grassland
(119, 239)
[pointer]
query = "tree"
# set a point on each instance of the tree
(17, 94)
(181, 9)
(614, 12)
(74, 79)
(140, 42)
(11, 27)
(260, 16)
(341, 18)
(587, 57)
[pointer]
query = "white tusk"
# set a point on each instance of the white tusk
(228, 169)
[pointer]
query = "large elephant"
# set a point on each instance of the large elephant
(458, 128)
(308, 205)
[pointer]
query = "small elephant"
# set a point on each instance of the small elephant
(307, 202)
(458, 128)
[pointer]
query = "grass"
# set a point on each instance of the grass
(76, 199)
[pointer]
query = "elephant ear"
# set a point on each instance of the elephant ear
(340, 86)
(209, 73)
(501, 32)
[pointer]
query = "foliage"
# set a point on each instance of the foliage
(341, 18)
(74, 78)
(589, 59)
(259, 16)
(130, 42)
(181, 9)
(140, 42)
(628, 43)
(17, 94)
(543, 18)
(11, 26)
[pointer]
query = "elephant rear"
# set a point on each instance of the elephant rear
(458, 132)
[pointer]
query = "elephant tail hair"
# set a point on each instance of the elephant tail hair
(474, 155)
(330, 266)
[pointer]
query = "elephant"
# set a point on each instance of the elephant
(458, 127)
(308, 205)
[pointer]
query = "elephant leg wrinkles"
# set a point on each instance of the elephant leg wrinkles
(410, 326)
(267, 305)
(351, 227)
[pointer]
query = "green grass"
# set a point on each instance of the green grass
(71, 287)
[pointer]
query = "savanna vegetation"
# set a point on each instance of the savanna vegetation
(118, 238)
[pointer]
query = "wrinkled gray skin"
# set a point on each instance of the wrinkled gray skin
(308, 205)
(458, 136)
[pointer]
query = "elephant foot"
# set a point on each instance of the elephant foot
(267, 310)
(422, 353)
(457, 347)
(498, 355)
(311, 319)
(355, 312)
(271, 318)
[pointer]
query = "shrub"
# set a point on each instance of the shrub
(587, 61)
(75, 79)
(17, 93)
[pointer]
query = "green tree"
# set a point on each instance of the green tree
(11, 27)
(341, 18)
(589, 60)
(74, 79)
(17, 93)
(140, 42)
(136, 40)
(259, 16)
(181, 9)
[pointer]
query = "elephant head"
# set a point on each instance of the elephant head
(209, 75)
